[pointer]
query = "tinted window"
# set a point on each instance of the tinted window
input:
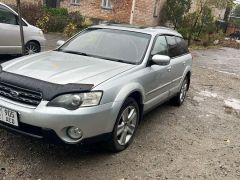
(115, 45)
(182, 46)
(7, 17)
(173, 47)
(160, 46)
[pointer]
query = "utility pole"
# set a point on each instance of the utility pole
(21, 26)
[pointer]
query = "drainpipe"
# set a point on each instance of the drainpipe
(132, 11)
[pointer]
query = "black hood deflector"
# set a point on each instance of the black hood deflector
(48, 90)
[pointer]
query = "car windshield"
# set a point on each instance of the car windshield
(109, 44)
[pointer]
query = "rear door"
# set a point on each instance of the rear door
(9, 32)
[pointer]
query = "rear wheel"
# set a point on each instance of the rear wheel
(125, 126)
(179, 99)
(32, 48)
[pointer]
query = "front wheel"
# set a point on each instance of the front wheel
(125, 126)
(32, 48)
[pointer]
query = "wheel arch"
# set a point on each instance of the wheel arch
(188, 75)
(137, 96)
(135, 91)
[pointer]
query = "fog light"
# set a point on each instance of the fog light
(74, 133)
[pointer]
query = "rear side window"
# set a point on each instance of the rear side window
(182, 46)
(160, 46)
(173, 46)
(177, 46)
(7, 17)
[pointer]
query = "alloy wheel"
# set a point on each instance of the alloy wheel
(31, 48)
(127, 125)
(183, 90)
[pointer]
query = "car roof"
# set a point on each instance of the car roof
(141, 29)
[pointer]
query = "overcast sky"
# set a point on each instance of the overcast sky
(237, 1)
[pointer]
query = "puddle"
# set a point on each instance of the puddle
(233, 103)
(208, 94)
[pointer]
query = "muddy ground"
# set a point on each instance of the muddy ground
(199, 140)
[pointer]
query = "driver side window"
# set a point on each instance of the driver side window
(160, 46)
(7, 17)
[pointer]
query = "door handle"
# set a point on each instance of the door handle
(169, 68)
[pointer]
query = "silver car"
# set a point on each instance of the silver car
(10, 41)
(96, 86)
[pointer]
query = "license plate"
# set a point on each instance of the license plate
(8, 116)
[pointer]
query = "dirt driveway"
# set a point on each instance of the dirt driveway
(200, 140)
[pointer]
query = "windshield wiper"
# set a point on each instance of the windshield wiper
(113, 59)
(119, 60)
(95, 56)
(74, 52)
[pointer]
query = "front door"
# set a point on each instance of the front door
(9, 31)
(158, 86)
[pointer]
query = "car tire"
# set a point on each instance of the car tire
(32, 48)
(178, 100)
(125, 126)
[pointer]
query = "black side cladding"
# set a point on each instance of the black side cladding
(47, 89)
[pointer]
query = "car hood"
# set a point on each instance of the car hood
(64, 68)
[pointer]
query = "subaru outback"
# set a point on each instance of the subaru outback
(97, 85)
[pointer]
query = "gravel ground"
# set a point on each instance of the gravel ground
(199, 140)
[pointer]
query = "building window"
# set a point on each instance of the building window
(75, 2)
(107, 4)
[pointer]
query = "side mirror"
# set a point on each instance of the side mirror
(161, 59)
(60, 42)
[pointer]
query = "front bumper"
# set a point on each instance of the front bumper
(36, 121)
(42, 42)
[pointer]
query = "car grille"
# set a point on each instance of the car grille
(21, 95)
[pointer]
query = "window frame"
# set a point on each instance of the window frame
(10, 12)
(73, 2)
(149, 62)
(155, 40)
(106, 2)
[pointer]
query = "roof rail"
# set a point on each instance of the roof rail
(162, 27)
(123, 25)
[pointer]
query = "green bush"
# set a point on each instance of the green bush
(76, 18)
(53, 20)
(59, 20)
(73, 27)
(43, 23)
(57, 11)
(70, 29)
(57, 23)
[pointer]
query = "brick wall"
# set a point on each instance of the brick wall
(144, 12)
(92, 8)
(13, 2)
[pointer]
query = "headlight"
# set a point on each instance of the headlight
(74, 101)
(40, 32)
